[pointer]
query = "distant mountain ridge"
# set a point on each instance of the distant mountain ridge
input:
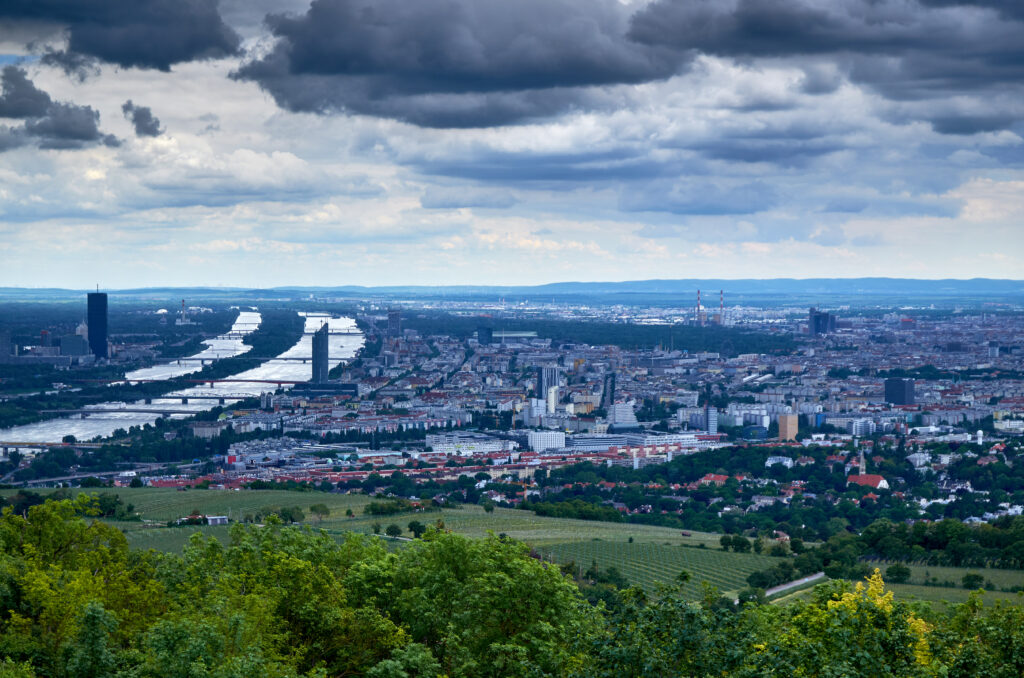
(675, 287)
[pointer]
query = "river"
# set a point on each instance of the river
(224, 346)
(108, 419)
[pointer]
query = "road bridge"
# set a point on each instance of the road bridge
(120, 410)
(143, 468)
(221, 399)
(287, 358)
(7, 445)
(279, 382)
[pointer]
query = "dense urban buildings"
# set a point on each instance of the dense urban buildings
(878, 380)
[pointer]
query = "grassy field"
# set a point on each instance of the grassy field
(939, 596)
(168, 504)
(648, 563)
(1000, 578)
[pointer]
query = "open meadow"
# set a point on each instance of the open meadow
(940, 597)
(995, 579)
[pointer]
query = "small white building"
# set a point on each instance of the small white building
(919, 459)
(208, 429)
(772, 461)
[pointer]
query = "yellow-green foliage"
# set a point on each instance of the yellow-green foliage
(859, 630)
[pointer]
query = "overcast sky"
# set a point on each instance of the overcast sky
(260, 143)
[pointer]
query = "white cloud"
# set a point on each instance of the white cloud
(990, 200)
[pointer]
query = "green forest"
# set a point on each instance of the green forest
(274, 601)
(726, 340)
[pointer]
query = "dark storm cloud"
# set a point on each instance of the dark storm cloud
(146, 34)
(777, 28)
(906, 50)
(146, 124)
(783, 27)
(52, 124)
(75, 65)
(19, 97)
(1011, 9)
(68, 126)
(453, 63)
(478, 63)
(971, 124)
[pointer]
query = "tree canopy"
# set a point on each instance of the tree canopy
(282, 601)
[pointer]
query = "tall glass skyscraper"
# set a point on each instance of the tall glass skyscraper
(97, 321)
(394, 324)
(899, 391)
(321, 364)
(546, 378)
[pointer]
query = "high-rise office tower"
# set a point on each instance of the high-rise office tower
(820, 322)
(899, 391)
(394, 324)
(546, 378)
(552, 399)
(484, 335)
(788, 425)
(321, 364)
(96, 317)
(608, 394)
(711, 418)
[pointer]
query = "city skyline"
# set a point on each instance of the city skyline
(361, 142)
